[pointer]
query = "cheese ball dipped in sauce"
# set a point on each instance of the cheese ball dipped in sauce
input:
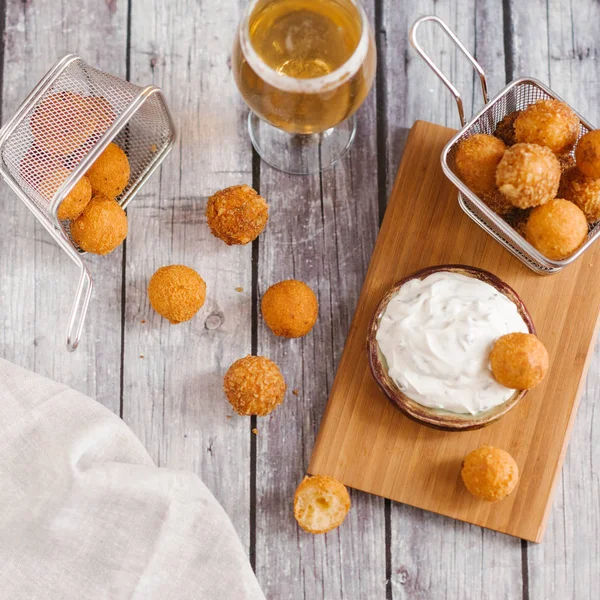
(290, 308)
(321, 504)
(528, 175)
(519, 361)
(101, 227)
(177, 293)
(237, 214)
(557, 228)
(435, 336)
(587, 154)
(490, 473)
(109, 175)
(549, 123)
(476, 160)
(254, 385)
(583, 191)
(505, 130)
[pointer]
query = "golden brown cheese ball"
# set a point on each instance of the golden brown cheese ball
(549, 123)
(519, 361)
(176, 292)
(557, 228)
(505, 130)
(109, 175)
(62, 122)
(528, 175)
(254, 385)
(583, 191)
(476, 160)
(237, 214)
(587, 154)
(321, 503)
(101, 227)
(75, 201)
(490, 473)
(290, 308)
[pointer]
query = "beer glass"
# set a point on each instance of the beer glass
(303, 67)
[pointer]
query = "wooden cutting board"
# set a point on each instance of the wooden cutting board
(369, 445)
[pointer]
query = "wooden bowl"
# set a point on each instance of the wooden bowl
(435, 417)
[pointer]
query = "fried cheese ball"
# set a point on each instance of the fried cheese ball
(549, 123)
(528, 175)
(290, 308)
(587, 154)
(176, 292)
(583, 191)
(557, 228)
(476, 160)
(109, 175)
(101, 227)
(254, 385)
(63, 122)
(519, 361)
(321, 503)
(237, 214)
(505, 130)
(489, 473)
(75, 201)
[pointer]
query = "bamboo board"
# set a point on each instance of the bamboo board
(369, 445)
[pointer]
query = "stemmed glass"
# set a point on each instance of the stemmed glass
(303, 67)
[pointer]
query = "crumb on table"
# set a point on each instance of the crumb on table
(143, 320)
(296, 392)
(255, 431)
(141, 356)
(239, 289)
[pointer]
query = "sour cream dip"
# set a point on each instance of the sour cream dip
(436, 335)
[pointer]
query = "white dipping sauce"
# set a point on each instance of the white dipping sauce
(436, 335)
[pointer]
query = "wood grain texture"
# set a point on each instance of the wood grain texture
(368, 444)
(38, 279)
(419, 568)
(172, 397)
(554, 42)
(172, 379)
(323, 250)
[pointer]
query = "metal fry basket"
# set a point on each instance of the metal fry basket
(517, 95)
(64, 124)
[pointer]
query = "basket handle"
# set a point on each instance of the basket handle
(415, 44)
(79, 309)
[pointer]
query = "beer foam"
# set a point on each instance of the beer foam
(313, 85)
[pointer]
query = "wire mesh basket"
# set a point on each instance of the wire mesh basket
(515, 96)
(65, 123)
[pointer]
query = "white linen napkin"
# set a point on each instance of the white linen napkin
(84, 513)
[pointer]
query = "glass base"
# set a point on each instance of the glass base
(301, 154)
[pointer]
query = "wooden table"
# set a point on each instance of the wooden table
(165, 381)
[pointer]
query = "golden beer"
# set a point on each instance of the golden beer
(304, 65)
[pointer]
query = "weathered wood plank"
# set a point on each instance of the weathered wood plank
(38, 279)
(173, 396)
(335, 220)
(431, 556)
(557, 43)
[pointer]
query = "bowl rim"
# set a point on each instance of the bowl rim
(425, 415)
